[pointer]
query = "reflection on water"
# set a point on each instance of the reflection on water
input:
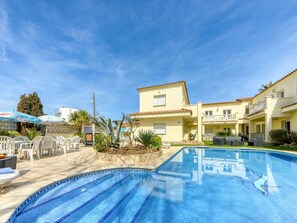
(192, 164)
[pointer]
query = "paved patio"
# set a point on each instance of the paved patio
(39, 173)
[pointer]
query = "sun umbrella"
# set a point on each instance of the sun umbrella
(16, 116)
(51, 119)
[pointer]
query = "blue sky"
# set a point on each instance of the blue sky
(65, 50)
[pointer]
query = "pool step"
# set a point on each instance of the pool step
(54, 209)
(99, 208)
(68, 188)
(131, 211)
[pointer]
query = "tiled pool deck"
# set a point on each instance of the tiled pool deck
(39, 173)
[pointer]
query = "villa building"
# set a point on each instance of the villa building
(167, 110)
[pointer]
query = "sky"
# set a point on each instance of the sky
(66, 50)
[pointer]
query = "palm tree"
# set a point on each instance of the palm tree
(264, 86)
(79, 118)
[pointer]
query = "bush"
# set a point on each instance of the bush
(156, 142)
(293, 137)
(102, 142)
(32, 133)
(224, 133)
(145, 137)
(280, 136)
(7, 133)
(192, 137)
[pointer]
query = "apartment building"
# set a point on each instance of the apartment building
(167, 110)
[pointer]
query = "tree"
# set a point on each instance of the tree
(264, 86)
(106, 127)
(30, 104)
(131, 125)
(79, 118)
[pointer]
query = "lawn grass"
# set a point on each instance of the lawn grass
(210, 143)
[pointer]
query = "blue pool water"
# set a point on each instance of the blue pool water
(195, 185)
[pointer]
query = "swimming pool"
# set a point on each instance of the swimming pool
(194, 185)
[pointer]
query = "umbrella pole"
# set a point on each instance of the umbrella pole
(11, 128)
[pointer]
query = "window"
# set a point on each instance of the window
(258, 129)
(247, 110)
(280, 94)
(227, 129)
(160, 128)
(208, 113)
(160, 100)
(227, 112)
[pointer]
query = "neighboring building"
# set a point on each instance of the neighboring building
(64, 112)
(166, 109)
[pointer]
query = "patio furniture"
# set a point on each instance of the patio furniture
(255, 142)
(30, 147)
(7, 175)
(75, 142)
(166, 145)
(234, 141)
(48, 143)
(8, 161)
(18, 140)
(218, 140)
(7, 145)
(61, 144)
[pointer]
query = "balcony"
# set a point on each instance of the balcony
(261, 105)
(220, 118)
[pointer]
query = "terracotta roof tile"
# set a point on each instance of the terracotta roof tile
(167, 84)
(160, 85)
(164, 112)
(244, 99)
(222, 102)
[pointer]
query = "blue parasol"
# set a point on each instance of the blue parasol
(16, 116)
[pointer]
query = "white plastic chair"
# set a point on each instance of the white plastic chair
(61, 144)
(30, 147)
(7, 145)
(48, 143)
(75, 142)
(20, 139)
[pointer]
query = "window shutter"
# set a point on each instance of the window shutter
(160, 128)
(159, 100)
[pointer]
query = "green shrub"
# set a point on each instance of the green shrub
(102, 142)
(8, 133)
(145, 137)
(224, 133)
(280, 136)
(156, 142)
(192, 137)
(293, 137)
(32, 133)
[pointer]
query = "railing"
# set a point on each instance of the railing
(258, 107)
(214, 118)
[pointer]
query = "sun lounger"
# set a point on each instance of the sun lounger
(7, 175)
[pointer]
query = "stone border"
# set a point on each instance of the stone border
(128, 159)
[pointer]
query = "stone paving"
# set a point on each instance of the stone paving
(39, 173)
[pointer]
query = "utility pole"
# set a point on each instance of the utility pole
(94, 105)
(94, 116)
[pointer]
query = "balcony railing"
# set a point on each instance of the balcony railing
(258, 107)
(219, 118)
